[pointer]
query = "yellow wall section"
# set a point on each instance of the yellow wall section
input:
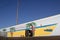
(17, 34)
(38, 32)
(41, 32)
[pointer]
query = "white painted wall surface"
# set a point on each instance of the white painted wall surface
(44, 21)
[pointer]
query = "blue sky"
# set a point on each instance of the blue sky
(28, 10)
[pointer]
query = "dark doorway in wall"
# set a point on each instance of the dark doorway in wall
(28, 33)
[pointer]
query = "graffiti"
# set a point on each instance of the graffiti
(12, 29)
(48, 30)
(4, 30)
(29, 25)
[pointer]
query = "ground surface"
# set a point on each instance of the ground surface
(31, 38)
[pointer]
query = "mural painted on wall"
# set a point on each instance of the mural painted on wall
(4, 30)
(30, 25)
(48, 28)
(43, 30)
(12, 29)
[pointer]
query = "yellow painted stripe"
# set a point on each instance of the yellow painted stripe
(17, 34)
(41, 32)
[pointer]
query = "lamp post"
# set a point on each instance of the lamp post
(17, 12)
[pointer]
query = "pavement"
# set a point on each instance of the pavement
(31, 38)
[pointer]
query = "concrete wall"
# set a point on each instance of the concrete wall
(4, 34)
(41, 22)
